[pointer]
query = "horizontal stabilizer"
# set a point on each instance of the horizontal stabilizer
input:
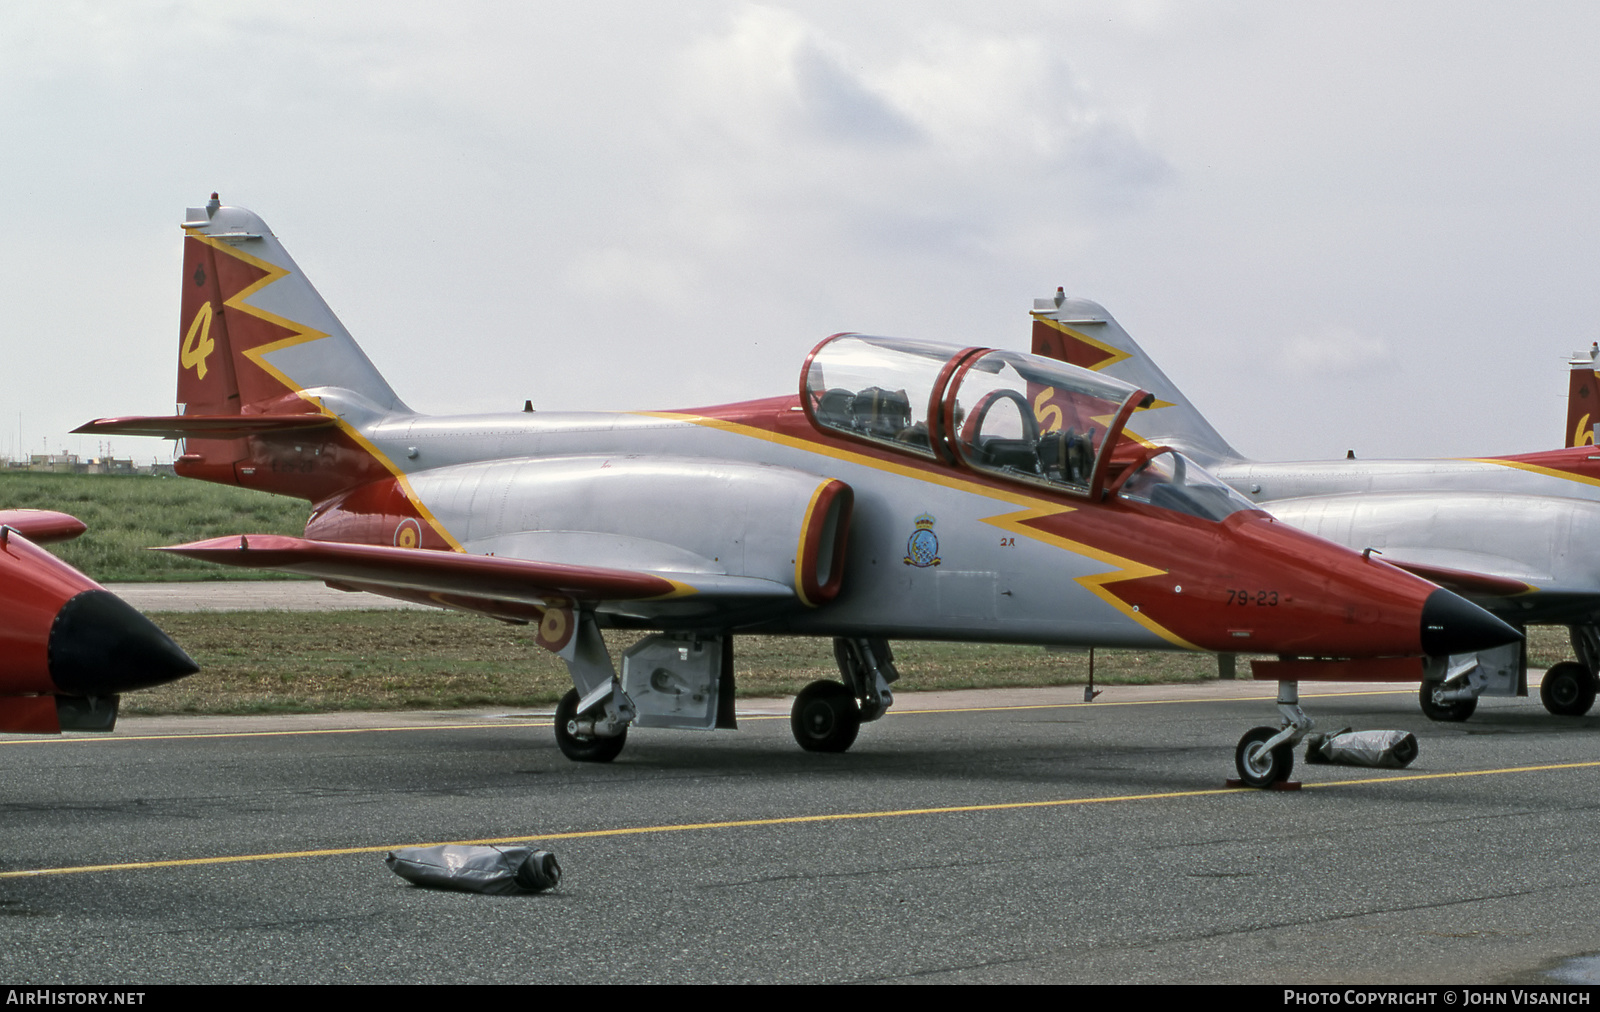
(42, 527)
(202, 426)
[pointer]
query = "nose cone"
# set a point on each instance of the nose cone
(99, 646)
(1454, 625)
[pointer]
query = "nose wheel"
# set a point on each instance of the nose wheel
(1265, 755)
(1259, 765)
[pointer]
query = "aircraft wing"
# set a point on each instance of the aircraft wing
(1464, 581)
(1546, 601)
(42, 527)
(450, 577)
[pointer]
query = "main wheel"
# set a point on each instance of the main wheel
(825, 717)
(1259, 767)
(1567, 690)
(583, 749)
(1454, 712)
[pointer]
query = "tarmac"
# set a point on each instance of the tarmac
(973, 837)
(1017, 835)
(251, 595)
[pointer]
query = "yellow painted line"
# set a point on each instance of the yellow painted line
(1448, 776)
(268, 734)
(1102, 703)
(792, 820)
(1138, 702)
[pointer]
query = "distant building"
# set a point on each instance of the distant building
(62, 463)
(71, 463)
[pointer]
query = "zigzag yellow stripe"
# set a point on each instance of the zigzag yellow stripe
(1117, 355)
(301, 334)
(1031, 509)
(1096, 584)
(1535, 469)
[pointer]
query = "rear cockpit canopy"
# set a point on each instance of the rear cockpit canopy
(1016, 416)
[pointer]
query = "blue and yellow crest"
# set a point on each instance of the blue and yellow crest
(922, 549)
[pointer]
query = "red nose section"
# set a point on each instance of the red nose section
(34, 585)
(61, 633)
(1272, 589)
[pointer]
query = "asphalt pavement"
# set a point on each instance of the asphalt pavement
(251, 595)
(1007, 836)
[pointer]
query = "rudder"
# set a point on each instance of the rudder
(1082, 333)
(1583, 398)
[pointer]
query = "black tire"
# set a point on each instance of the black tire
(1448, 713)
(583, 750)
(825, 717)
(1567, 690)
(1258, 768)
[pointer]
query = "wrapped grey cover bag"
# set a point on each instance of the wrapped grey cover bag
(1394, 749)
(499, 871)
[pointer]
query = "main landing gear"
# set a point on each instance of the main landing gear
(1446, 704)
(591, 721)
(685, 680)
(1451, 688)
(1265, 755)
(1568, 689)
(827, 715)
(577, 738)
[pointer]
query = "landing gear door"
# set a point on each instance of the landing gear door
(673, 680)
(1501, 671)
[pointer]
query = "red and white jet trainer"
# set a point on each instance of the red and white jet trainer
(905, 490)
(1517, 535)
(68, 646)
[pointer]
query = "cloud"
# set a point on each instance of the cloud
(968, 139)
(1331, 349)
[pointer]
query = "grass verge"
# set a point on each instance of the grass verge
(129, 514)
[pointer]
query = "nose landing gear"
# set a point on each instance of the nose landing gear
(1265, 755)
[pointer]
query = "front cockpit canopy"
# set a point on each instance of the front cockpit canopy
(876, 388)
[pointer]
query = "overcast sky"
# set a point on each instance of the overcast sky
(1335, 225)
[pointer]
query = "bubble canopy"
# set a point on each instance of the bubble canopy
(1020, 417)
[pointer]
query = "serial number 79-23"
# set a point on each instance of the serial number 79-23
(1264, 598)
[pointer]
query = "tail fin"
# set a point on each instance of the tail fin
(271, 388)
(255, 336)
(1083, 333)
(1583, 397)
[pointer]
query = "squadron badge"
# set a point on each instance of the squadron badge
(922, 549)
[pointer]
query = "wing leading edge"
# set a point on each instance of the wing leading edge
(477, 581)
